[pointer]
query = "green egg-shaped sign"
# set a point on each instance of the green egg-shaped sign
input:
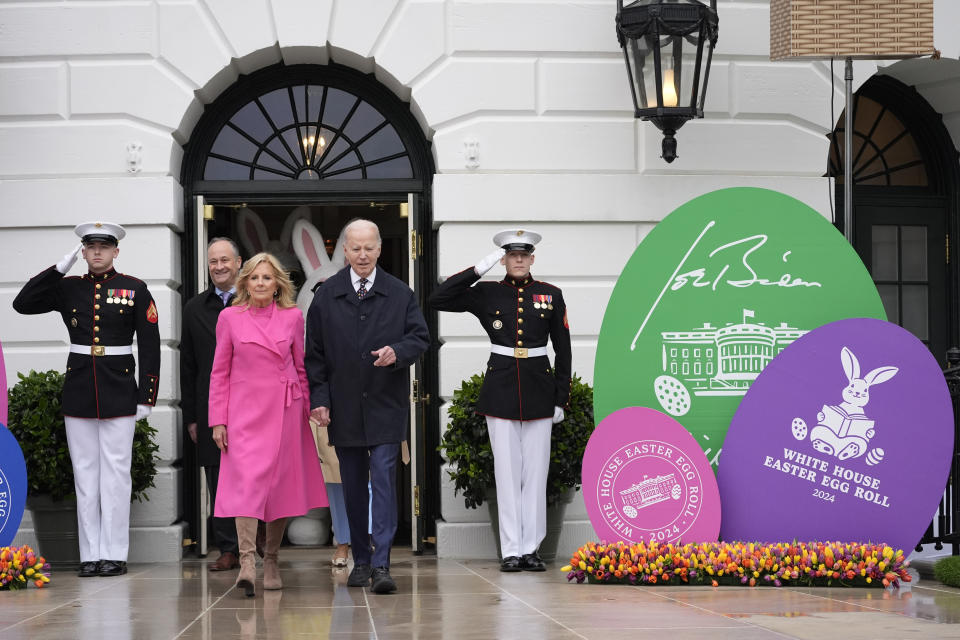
(712, 294)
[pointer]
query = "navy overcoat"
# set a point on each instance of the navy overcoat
(368, 405)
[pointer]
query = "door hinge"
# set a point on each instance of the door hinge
(430, 539)
(416, 391)
(416, 500)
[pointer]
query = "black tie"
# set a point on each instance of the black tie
(362, 289)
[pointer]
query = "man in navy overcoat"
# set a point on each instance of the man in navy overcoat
(364, 330)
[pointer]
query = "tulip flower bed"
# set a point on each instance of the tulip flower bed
(19, 566)
(740, 563)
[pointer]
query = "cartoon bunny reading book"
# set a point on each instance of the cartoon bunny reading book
(843, 430)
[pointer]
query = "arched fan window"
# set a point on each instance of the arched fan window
(884, 151)
(307, 132)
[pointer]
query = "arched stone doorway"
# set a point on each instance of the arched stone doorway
(320, 144)
(906, 185)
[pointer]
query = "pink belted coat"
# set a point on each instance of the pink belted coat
(258, 389)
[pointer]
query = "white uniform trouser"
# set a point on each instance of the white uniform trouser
(521, 459)
(101, 451)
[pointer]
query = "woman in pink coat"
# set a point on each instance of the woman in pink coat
(259, 402)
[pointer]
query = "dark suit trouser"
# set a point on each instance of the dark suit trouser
(379, 464)
(224, 529)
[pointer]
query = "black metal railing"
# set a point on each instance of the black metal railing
(945, 526)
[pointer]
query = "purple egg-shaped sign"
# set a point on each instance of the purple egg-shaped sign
(846, 435)
(645, 479)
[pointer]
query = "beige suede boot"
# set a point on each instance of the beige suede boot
(246, 537)
(271, 568)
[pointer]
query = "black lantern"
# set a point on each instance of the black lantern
(663, 44)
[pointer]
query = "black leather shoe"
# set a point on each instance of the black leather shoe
(381, 582)
(112, 568)
(532, 562)
(360, 576)
(89, 569)
(510, 564)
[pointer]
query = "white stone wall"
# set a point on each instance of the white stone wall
(538, 88)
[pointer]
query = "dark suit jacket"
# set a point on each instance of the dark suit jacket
(368, 405)
(197, 344)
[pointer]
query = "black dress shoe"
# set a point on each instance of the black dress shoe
(112, 568)
(510, 564)
(381, 582)
(360, 576)
(532, 562)
(89, 569)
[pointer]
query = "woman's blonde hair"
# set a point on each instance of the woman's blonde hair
(284, 295)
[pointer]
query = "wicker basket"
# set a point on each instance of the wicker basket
(850, 28)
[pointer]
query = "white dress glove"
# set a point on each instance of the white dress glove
(143, 410)
(64, 265)
(558, 415)
(487, 263)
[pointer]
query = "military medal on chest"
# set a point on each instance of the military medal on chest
(542, 301)
(120, 296)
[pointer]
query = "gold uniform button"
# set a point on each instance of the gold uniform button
(96, 296)
(98, 286)
(520, 299)
(520, 289)
(74, 310)
(96, 317)
(520, 320)
(520, 310)
(96, 306)
(498, 311)
(519, 343)
(519, 332)
(126, 370)
(96, 328)
(96, 339)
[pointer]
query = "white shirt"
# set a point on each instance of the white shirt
(355, 279)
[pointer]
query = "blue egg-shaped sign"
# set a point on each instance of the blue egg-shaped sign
(13, 486)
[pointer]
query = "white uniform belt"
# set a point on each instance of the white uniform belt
(100, 350)
(519, 352)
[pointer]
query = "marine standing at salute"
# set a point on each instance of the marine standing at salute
(521, 397)
(102, 399)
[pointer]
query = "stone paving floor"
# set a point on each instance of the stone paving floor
(457, 599)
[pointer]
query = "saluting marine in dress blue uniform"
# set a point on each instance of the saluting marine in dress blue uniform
(521, 395)
(102, 399)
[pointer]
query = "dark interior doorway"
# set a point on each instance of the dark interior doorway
(905, 196)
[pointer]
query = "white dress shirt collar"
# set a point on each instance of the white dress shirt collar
(355, 279)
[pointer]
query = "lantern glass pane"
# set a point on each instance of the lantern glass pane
(640, 57)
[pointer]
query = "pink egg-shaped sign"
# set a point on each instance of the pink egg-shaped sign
(645, 479)
(846, 435)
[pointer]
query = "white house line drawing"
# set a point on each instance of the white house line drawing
(717, 361)
(650, 491)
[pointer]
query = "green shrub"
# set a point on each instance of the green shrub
(466, 444)
(36, 421)
(947, 571)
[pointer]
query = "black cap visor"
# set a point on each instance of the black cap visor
(98, 237)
